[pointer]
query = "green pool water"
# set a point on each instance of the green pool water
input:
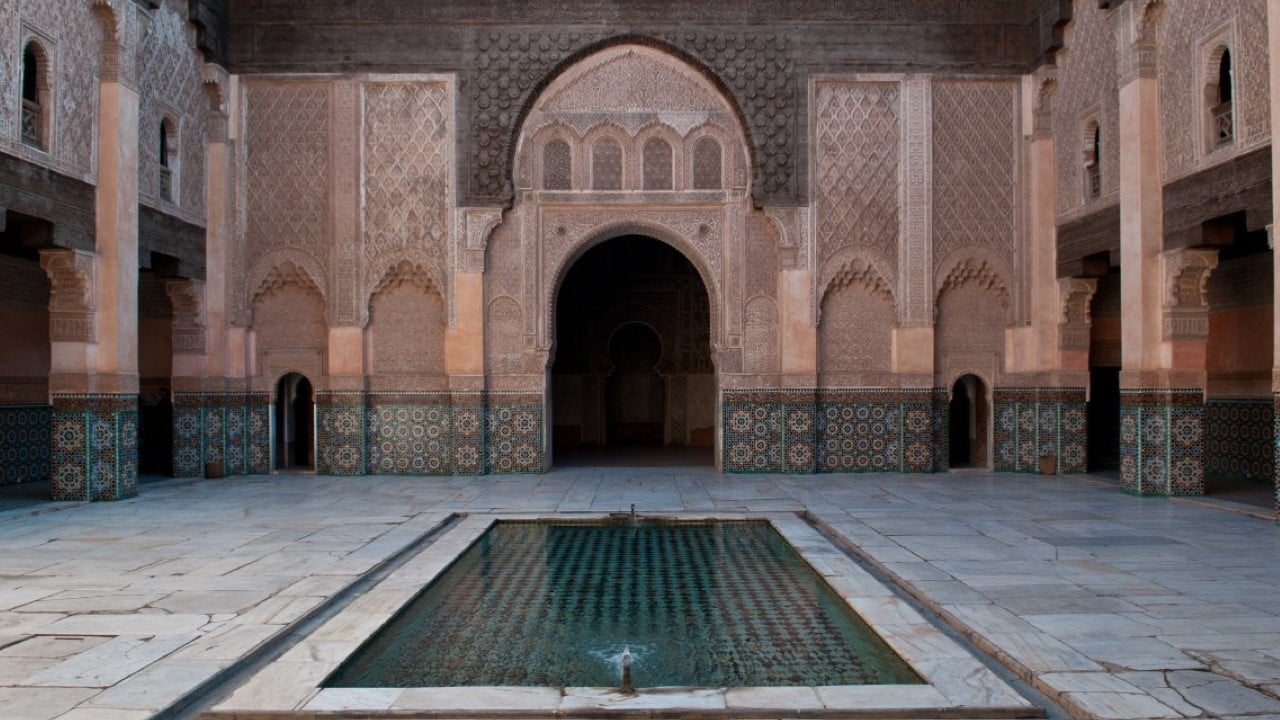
(708, 604)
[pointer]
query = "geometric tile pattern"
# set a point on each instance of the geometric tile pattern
(845, 430)
(770, 431)
(514, 434)
(1239, 439)
(411, 438)
(94, 448)
(1162, 441)
(1031, 423)
(24, 443)
(341, 433)
(230, 428)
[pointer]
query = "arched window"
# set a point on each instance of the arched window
(168, 160)
(35, 96)
(606, 165)
(1093, 160)
(557, 166)
(707, 165)
(1220, 99)
(657, 165)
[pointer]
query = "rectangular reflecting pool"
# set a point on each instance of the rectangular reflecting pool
(526, 616)
(709, 604)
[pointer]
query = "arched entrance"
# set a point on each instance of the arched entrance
(970, 423)
(294, 441)
(632, 380)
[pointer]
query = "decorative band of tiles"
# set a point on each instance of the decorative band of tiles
(24, 443)
(1161, 446)
(1162, 397)
(94, 448)
(1040, 422)
(231, 429)
(832, 430)
(1239, 440)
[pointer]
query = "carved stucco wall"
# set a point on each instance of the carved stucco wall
(975, 168)
(347, 178)
(855, 335)
(972, 313)
(289, 320)
(1086, 90)
(856, 173)
(406, 333)
(72, 37)
(172, 86)
(1188, 33)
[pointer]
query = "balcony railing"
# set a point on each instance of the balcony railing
(1223, 124)
(166, 184)
(31, 130)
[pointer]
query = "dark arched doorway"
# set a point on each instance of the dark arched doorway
(969, 421)
(632, 381)
(295, 446)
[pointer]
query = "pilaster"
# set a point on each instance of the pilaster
(1273, 44)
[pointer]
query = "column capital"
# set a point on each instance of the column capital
(1073, 326)
(1186, 303)
(73, 294)
(1136, 48)
(124, 24)
(1045, 87)
(187, 298)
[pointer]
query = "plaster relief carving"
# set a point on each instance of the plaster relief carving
(287, 155)
(1075, 295)
(73, 300)
(187, 299)
(407, 156)
(857, 166)
(1186, 301)
(407, 323)
(975, 165)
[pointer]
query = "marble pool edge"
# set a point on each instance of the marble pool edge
(957, 684)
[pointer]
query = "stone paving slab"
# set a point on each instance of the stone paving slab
(1058, 576)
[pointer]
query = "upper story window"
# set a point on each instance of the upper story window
(557, 166)
(35, 96)
(707, 165)
(1220, 95)
(168, 160)
(657, 165)
(606, 165)
(1093, 160)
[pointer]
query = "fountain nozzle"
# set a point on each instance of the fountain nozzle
(627, 686)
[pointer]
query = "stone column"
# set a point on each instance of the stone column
(94, 372)
(1273, 43)
(1162, 387)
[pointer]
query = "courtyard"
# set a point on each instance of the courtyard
(1110, 605)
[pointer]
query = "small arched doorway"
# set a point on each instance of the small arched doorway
(295, 430)
(969, 421)
(632, 381)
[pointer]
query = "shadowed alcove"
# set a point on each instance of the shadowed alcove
(632, 381)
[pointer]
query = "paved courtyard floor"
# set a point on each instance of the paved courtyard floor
(1114, 606)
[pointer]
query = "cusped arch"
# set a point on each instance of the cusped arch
(284, 267)
(607, 231)
(415, 265)
(668, 71)
(857, 266)
(974, 266)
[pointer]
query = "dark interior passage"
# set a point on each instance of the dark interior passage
(294, 427)
(632, 364)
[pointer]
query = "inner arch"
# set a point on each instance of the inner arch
(632, 381)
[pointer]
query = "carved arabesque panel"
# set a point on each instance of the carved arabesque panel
(756, 69)
(172, 84)
(975, 166)
(408, 136)
(855, 331)
(287, 153)
(857, 166)
(407, 325)
(858, 162)
(1182, 80)
(75, 60)
(1086, 86)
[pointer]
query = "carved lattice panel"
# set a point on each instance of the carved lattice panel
(1086, 90)
(406, 189)
(171, 77)
(857, 157)
(975, 143)
(287, 131)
